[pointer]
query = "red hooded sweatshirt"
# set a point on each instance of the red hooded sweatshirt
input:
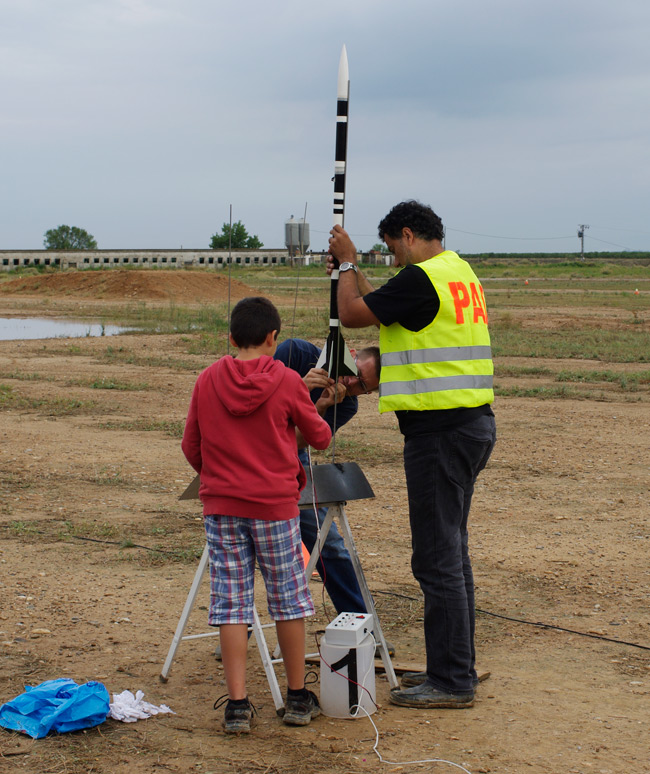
(240, 437)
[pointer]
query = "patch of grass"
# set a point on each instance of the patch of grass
(626, 381)
(118, 354)
(309, 322)
(357, 449)
(560, 392)
(22, 528)
(6, 394)
(505, 295)
(60, 407)
(532, 267)
(508, 370)
(11, 482)
(173, 428)
(24, 377)
(543, 392)
(124, 355)
(52, 407)
(614, 346)
(112, 384)
(506, 321)
(109, 477)
(155, 558)
(87, 529)
(210, 344)
(126, 545)
(173, 318)
(112, 475)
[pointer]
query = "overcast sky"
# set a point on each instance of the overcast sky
(142, 121)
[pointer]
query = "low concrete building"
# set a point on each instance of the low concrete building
(162, 259)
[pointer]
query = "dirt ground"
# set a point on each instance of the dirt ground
(97, 554)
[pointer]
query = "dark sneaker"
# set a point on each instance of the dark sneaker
(417, 678)
(300, 711)
(238, 715)
(425, 696)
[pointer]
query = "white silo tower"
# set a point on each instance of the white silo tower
(296, 237)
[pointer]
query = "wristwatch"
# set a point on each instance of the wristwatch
(346, 265)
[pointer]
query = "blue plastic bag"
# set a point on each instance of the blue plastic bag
(56, 705)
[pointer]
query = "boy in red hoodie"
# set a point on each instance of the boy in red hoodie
(240, 436)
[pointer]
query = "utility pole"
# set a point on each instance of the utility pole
(581, 237)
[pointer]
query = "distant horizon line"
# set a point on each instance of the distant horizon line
(284, 250)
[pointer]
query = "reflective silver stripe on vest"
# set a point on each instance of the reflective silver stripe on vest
(435, 355)
(436, 384)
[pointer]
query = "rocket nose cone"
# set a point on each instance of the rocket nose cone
(344, 76)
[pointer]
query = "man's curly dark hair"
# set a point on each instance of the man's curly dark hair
(420, 218)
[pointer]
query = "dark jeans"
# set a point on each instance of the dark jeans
(334, 565)
(441, 470)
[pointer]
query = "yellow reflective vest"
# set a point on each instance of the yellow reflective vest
(447, 364)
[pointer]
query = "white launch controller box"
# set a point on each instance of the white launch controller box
(349, 629)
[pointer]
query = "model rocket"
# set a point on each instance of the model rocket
(335, 357)
(341, 151)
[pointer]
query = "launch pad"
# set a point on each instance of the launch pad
(329, 486)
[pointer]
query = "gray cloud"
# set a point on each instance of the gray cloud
(143, 120)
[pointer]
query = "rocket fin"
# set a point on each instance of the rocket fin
(335, 357)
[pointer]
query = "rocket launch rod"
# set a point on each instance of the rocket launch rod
(336, 358)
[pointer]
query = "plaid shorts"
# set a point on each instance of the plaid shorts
(234, 544)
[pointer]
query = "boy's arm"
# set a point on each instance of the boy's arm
(309, 424)
(332, 394)
(191, 443)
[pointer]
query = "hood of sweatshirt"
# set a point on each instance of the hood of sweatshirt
(244, 385)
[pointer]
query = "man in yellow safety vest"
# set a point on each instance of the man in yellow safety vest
(436, 374)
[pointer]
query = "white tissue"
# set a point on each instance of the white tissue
(129, 708)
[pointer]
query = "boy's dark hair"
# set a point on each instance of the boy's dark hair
(420, 218)
(252, 320)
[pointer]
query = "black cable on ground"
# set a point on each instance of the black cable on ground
(124, 544)
(533, 623)
(562, 629)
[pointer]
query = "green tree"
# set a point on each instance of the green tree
(240, 238)
(69, 238)
(380, 247)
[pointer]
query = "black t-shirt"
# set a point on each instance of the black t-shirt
(410, 299)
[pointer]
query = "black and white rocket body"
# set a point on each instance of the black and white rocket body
(336, 358)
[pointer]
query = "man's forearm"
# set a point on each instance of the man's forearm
(363, 284)
(353, 311)
(352, 285)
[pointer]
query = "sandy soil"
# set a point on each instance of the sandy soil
(97, 554)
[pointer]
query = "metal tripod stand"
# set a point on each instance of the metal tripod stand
(334, 485)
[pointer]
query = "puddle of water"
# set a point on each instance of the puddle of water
(18, 328)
